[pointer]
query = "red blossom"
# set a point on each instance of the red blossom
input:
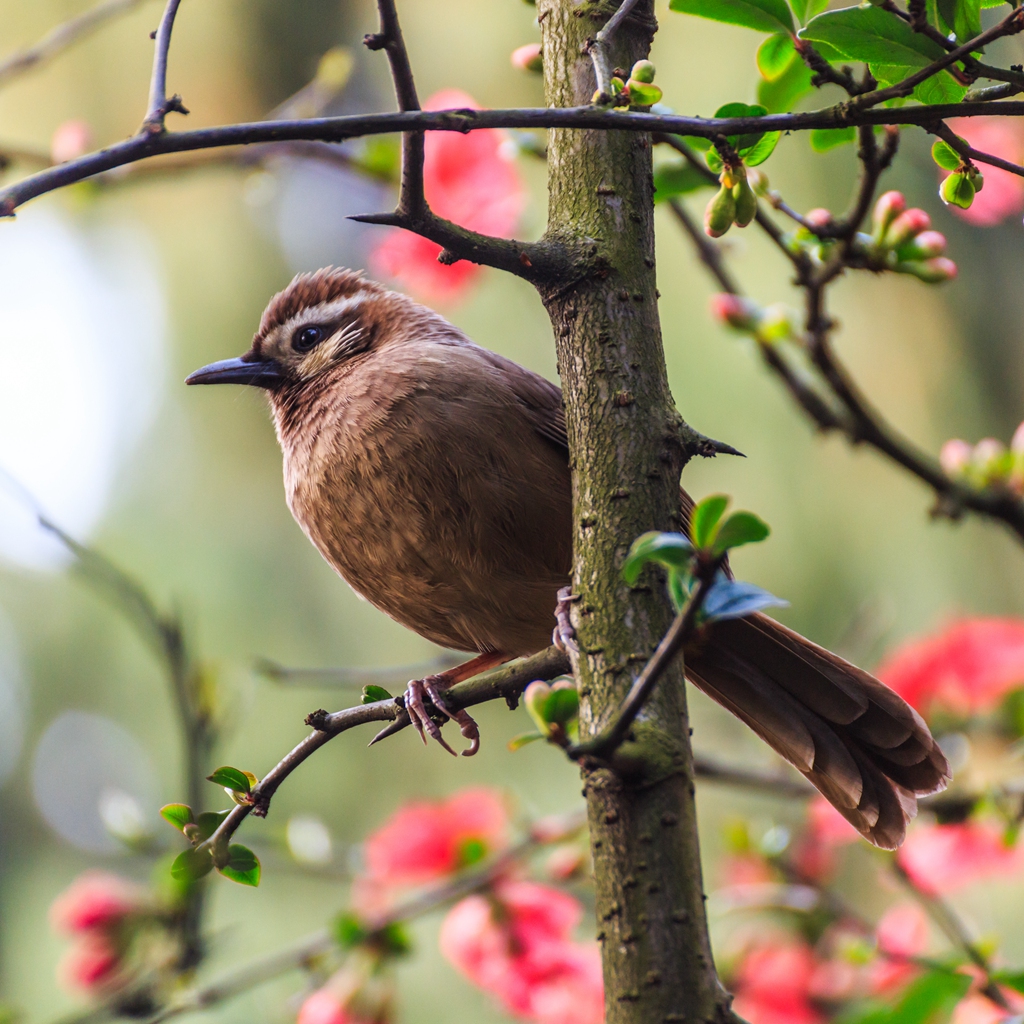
(469, 179)
(814, 855)
(326, 1007)
(524, 955)
(95, 900)
(90, 964)
(940, 858)
(966, 669)
(1003, 192)
(773, 983)
(901, 934)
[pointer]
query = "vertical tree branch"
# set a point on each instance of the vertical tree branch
(159, 103)
(625, 439)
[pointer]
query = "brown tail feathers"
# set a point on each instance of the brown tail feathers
(863, 747)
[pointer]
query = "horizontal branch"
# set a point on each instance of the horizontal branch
(338, 129)
(507, 682)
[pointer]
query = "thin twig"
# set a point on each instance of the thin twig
(60, 38)
(969, 153)
(160, 105)
(507, 683)
(609, 740)
(599, 50)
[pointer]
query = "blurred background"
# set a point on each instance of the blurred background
(110, 294)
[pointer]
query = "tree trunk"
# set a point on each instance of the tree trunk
(628, 447)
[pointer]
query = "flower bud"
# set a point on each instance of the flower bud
(720, 213)
(746, 202)
(906, 226)
(925, 246)
(818, 217)
(1017, 441)
(735, 311)
(535, 697)
(758, 181)
(987, 451)
(889, 206)
(643, 71)
(71, 139)
(778, 323)
(955, 456)
(527, 58)
(933, 271)
(976, 178)
(957, 190)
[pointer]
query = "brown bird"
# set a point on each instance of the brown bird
(433, 475)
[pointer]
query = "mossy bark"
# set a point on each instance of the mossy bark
(628, 446)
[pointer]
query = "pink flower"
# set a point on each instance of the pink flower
(523, 954)
(1003, 192)
(966, 669)
(325, 1007)
(814, 855)
(978, 1009)
(941, 858)
(734, 311)
(773, 982)
(90, 964)
(70, 139)
(527, 58)
(429, 839)
(901, 934)
(467, 179)
(95, 900)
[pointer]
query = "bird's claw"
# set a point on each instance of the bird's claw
(431, 688)
(564, 635)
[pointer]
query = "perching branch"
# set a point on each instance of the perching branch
(60, 38)
(604, 745)
(160, 105)
(507, 682)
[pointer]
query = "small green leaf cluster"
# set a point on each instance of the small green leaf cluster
(638, 91)
(554, 709)
(712, 535)
(958, 188)
(237, 784)
(392, 940)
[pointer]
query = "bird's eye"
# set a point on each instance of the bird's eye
(306, 338)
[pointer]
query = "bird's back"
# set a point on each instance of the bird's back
(436, 482)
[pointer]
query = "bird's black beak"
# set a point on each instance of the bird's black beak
(260, 373)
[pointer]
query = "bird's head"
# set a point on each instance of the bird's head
(319, 322)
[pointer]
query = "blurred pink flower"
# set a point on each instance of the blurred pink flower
(901, 934)
(90, 964)
(524, 955)
(941, 858)
(425, 840)
(1003, 192)
(978, 1009)
(966, 669)
(70, 139)
(326, 1007)
(468, 179)
(95, 900)
(773, 983)
(814, 854)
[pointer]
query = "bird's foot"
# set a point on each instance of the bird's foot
(564, 636)
(431, 688)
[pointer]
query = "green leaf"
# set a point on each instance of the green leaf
(824, 139)
(641, 94)
(872, 35)
(740, 528)
(944, 155)
(243, 865)
(780, 96)
(520, 741)
(736, 599)
(471, 851)
(1012, 979)
(945, 11)
(987, 4)
(677, 179)
(672, 550)
(231, 778)
(940, 88)
(395, 939)
(208, 822)
(678, 592)
(179, 815)
(760, 15)
(774, 55)
(807, 9)
(372, 694)
(760, 151)
(967, 20)
(562, 705)
(191, 865)
(705, 519)
(349, 931)
(931, 998)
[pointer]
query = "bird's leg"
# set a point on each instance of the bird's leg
(564, 636)
(432, 688)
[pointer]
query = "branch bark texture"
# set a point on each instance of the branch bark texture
(627, 444)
